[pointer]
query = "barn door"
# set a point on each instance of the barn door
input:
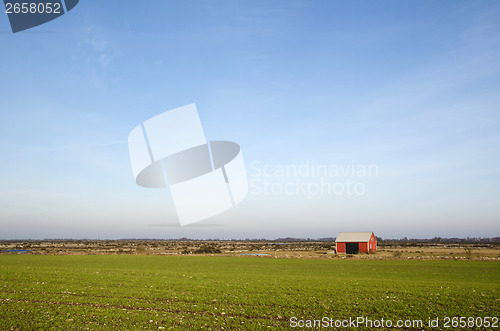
(352, 248)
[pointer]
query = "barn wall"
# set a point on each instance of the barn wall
(340, 247)
(363, 247)
(374, 244)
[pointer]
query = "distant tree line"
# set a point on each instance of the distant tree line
(440, 240)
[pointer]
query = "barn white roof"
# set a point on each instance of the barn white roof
(353, 236)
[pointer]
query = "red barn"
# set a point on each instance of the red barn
(356, 242)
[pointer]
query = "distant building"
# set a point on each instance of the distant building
(356, 242)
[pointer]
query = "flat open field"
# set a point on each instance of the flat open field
(294, 249)
(223, 292)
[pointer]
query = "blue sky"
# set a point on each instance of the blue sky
(411, 87)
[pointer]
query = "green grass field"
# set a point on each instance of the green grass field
(208, 292)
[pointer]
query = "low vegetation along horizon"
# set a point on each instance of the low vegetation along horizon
(226, 292)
